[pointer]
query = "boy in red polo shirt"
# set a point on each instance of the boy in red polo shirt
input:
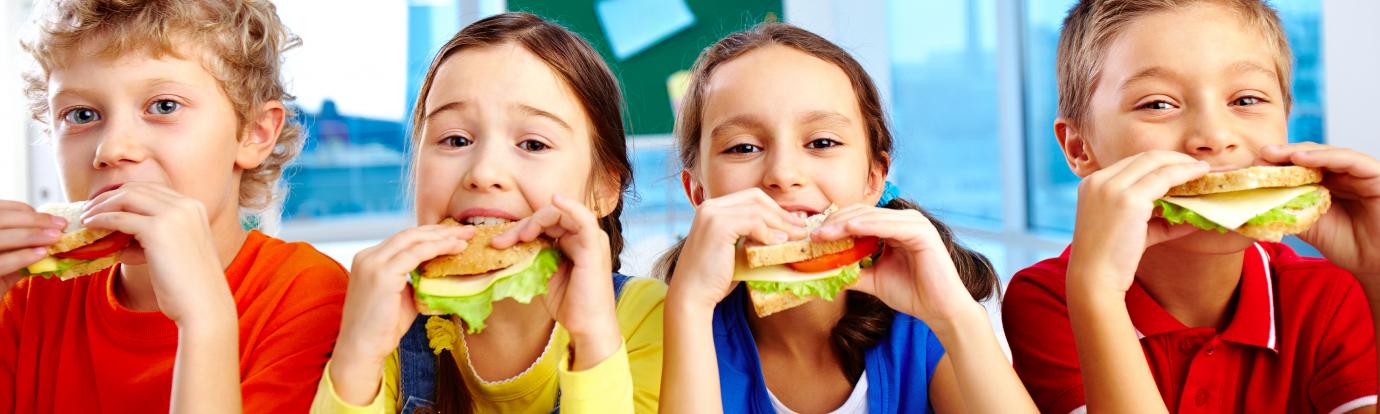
(169, 117)
(1141, 316)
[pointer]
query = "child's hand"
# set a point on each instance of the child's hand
(25, 235)
(1349, 234)
(915, 274)
(174, 239)
(704, 270)
(580, 294)
(1115, 206)
(379, 304)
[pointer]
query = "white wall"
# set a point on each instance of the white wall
(1351, 61)
(14, 184)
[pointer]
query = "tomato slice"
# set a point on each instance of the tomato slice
(106, 246)
(862, 247)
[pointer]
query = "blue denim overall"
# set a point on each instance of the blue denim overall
(417, 363)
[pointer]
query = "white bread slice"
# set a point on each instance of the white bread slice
(1248, 178)
(769, 303)
(74, 235)
(478, 257)
(796, 250)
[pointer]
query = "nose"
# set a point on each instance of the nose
(119, 144)
(784, 170)
(488, 169)
(1212, 132)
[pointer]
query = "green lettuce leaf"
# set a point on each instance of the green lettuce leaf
(522, 287)
(827, 288)
(62, 266)
(1175, 214)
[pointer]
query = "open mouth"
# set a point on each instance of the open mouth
(483, 220)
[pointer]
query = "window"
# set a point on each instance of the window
(944, 108)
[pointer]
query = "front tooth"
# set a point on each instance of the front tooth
(801, 214)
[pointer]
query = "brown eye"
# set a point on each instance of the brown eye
(456, 141)
(822, 143)
(743, 149)
(533, 145)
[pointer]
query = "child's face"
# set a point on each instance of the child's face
(138, 118)
(1196, 80)
(502, 134)
(788, 123)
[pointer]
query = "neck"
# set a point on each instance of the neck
(800, 333)
(1197, 289)
(513, 323)
(134, 287)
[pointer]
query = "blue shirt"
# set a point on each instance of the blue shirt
(898, 368)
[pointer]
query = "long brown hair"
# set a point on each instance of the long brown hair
(597, 89)
(867, 319)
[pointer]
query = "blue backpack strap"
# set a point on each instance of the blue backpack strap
(416, 368)
(619, 281)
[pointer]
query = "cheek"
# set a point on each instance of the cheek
(436, 178)
(728, 178)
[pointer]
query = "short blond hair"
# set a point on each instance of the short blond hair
(243, 43)
(1092, 25)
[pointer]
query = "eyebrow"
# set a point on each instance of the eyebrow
(1152, 72)
(1246, 66)
(451, 106)
(534, 111)
(737, 121)
(830, 117)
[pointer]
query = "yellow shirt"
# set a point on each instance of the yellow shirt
(627, 381)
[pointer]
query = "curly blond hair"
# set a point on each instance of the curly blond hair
(243, 43)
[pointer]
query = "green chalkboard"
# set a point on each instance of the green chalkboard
(644, 75)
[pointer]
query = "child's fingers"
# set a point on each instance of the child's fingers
(10, 205)
(12, 261)
(19, 219)
(408, 259)
(18, 238)
(1338, 160)
(1150, 163)
(1281, 153)
(1155, 183)
(757, 196)
(124, 222)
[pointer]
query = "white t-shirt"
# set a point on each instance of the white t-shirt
(856, 403)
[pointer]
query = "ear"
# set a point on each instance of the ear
(1077, 149)
(261, 135)
(876, 179)
(607, 194)
(693, 189)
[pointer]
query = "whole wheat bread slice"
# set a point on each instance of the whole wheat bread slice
(1248, 178)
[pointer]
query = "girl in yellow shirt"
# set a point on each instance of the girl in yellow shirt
(518, 117)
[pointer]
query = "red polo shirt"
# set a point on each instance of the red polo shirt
(1300, 340)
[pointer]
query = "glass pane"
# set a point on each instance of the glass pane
(944, 107)
(355, 92)
(1052, 187)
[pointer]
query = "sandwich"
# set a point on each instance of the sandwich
(786, 275)
(1263, 202)
(467, 284)
(79, 251)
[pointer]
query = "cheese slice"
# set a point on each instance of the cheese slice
(1233, 209)
(773, 273)
(461, 286)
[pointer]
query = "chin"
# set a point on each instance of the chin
(1209, 242)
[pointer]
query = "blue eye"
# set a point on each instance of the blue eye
(743, 149)
(81, 116)
(164, 107)
(822, 143)
(533, 145)
(456, 141)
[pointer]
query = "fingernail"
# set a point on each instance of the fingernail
(62, 222)
(779, 236)
(39, 251)
(557, 198)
